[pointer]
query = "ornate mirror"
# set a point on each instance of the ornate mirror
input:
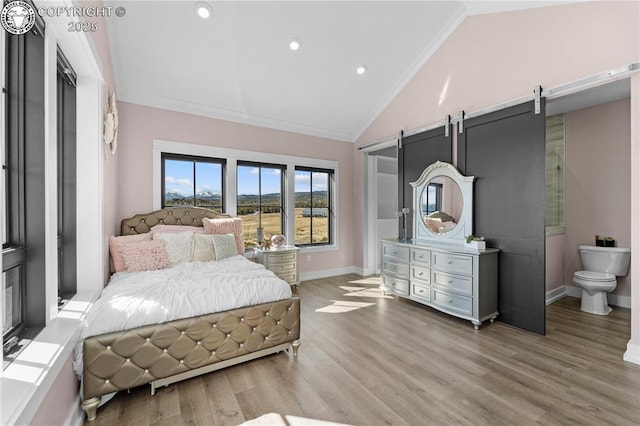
(442, 204)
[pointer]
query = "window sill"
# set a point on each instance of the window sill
(27, 380)
(318, 249)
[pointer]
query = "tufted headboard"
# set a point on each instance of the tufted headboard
(188, 216)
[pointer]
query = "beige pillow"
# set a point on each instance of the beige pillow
(224, 245)
(117, 262)
(203, 248)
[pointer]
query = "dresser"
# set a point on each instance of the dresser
(451, 278)
(283, 261)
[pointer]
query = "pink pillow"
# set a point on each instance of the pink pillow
(174, 229)
(114, 248)
(145, 256)
(232, 225)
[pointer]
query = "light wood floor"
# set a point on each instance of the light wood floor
(372, 360)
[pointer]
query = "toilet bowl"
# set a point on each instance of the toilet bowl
(602, 265)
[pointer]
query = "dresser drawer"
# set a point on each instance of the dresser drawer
(395, 285)
(456, 304)
(421, 256)
(450, 282)
(395, 252)
(420, 274)
(420, 292)
(458, 263)
(276, 258)
(398, 270)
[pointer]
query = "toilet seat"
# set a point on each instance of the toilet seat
(594, 276)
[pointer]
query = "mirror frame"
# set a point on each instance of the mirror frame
(465, 224)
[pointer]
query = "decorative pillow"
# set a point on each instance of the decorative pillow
(203, 248)
(224, 245)
(117, 262)
(232, 225)
(179, 246)
(175, 229)
(144, 256)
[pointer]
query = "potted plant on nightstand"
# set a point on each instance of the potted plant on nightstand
(475, 241)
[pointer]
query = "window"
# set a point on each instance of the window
(192, 181)
(24, 175)
(554, 175)
(313, 207)
(66, 149)
(433, 200)
(260, 201)
(281, 194)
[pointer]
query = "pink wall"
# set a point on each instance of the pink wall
(140, 125)
(554, 262)
(495, 58)
(598, 181)
(110, 162)
(61, 400)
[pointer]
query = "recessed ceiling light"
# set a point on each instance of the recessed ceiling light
(361, 69)
(203, 10)
(295, 44)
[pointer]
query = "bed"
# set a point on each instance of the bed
(163, 349)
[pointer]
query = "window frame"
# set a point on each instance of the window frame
(232, 156)
(66, 112)
(24, 174)
(195, 159)
(330, 179)
(283, 198)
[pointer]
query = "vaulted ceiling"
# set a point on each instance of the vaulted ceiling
(237, 65)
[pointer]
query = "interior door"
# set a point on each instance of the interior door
(415, 154)
(505, 151)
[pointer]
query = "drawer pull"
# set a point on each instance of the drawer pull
(450, 301)
(421, 274)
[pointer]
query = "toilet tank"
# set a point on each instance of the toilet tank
(614, 260)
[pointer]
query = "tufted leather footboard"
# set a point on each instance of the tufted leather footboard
(164, 353)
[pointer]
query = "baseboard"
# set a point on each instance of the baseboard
(613, 299)
(555, 295)
(633, 353)
(327, 273)
(76, 417)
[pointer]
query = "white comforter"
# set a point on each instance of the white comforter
(134, 299)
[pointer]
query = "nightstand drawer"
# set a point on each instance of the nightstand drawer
(291, 278)
(285, 257)
(283, 268)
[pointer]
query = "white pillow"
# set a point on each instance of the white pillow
(179, 246)
(224, 245)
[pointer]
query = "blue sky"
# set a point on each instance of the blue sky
(179, 178)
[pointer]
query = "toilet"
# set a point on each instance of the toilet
(602, 265)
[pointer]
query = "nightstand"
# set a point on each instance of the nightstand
(283, 261)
